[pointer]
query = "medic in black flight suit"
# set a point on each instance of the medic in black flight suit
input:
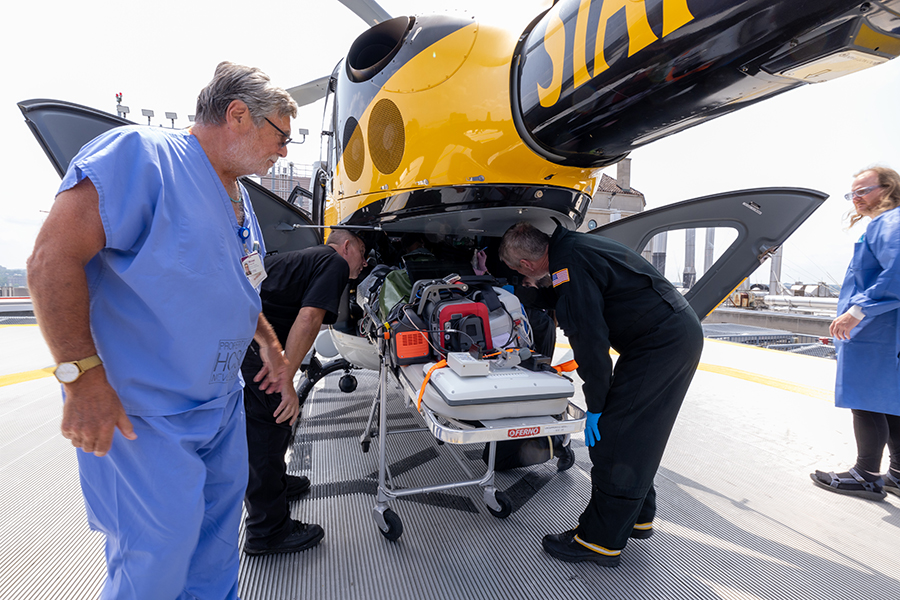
(608, 296)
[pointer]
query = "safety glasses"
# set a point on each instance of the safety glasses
(861, 192)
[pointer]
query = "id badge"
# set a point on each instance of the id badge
(254, 269)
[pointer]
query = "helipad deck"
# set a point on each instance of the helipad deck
(738, 515)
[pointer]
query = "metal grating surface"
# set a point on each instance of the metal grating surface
(738, 517)
(820, 350)
(709, 544)
(26, 320)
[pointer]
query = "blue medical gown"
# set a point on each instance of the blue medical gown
(867, 369)
(172, 311)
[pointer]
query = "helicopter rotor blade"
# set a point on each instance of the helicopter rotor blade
(309, 92)
(312, 91)
(367, 10)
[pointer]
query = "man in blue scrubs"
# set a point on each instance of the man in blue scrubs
(144, 279)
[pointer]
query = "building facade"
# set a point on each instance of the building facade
(284, 176)
(613, 198)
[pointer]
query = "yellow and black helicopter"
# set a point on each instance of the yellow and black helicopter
(442, 126)
(447, 127)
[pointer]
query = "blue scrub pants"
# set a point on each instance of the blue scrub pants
(169, 503)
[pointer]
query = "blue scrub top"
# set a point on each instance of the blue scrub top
(867, 371)
(172, 312)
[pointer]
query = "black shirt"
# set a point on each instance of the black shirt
(313, 277)
(608, 296)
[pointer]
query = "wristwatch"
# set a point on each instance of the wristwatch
(67, 372)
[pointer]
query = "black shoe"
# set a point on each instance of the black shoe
(642, 531)
(566, 458)
(565, 547)
(297, 485)
(304, 536)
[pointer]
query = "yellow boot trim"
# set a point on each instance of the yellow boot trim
(644, 526)
(596, 548)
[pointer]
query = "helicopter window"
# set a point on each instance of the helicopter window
(685, 255)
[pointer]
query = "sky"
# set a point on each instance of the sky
(160, 54)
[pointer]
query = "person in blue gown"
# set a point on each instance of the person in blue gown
(145, 280)
(867, 338)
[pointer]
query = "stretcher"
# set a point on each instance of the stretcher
(469, 399)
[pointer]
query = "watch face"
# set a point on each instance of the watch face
(67, 372)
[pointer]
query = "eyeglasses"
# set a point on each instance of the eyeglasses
(287, 138)
(862, 192)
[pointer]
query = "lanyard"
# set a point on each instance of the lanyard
(243, 231)
(244, 234)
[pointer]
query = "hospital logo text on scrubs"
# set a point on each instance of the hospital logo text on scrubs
(560, 277)
(229, 357)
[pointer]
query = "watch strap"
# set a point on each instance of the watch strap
(89, 363)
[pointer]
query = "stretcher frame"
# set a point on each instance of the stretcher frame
(452, 431)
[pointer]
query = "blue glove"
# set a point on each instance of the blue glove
(591, 428)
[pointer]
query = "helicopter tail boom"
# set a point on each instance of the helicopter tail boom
(593, 80)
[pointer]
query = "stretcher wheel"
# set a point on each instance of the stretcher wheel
(395, 526)
(505, 506)
(347, 383)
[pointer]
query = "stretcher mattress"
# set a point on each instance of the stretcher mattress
(509, 393)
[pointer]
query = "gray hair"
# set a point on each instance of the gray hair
(236, 82)
(339, 236)
(523, 240)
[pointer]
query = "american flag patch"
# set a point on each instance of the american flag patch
(560, 277)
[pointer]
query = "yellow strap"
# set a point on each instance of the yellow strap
(438, 365)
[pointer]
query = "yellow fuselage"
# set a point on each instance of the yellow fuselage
(453, 98)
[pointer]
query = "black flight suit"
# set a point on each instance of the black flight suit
(313, 277)
(609, 296)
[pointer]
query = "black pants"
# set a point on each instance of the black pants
(268, 513)
(874, 431)
(649, 383)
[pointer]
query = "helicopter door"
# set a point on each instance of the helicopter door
(747, 226)
(62, 128)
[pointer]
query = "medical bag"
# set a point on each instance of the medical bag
(475, 317)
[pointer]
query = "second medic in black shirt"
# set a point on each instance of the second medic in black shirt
(300, 294)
